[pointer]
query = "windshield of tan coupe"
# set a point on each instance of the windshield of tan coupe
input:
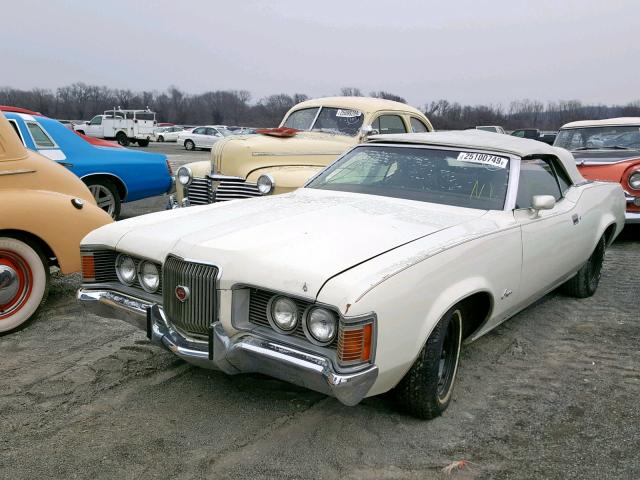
(340, 121)
(600, 138)
(449, 177)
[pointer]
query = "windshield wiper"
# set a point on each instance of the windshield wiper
(612, 147)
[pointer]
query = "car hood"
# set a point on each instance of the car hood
(241, 154)
(293, 242)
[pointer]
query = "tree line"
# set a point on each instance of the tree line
(80, 101)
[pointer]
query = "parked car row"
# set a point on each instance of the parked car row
(362, 249)
(113, 175)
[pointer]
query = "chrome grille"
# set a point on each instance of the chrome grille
(258, 302)
(232, 188)
(105, 268)
(198, 312)
(200, 191)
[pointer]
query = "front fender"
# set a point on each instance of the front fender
(198, 170)
(287, 178)
(52, 218)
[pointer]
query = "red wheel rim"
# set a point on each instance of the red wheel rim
(25, 285)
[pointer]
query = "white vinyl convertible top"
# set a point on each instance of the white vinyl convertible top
(487, 141)
(607, 122)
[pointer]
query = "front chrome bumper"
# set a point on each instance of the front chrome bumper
(632, 217)
(241, 353)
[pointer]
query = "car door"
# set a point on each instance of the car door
(197, 135)
(210, 137)
(549, 249)
(94, 128)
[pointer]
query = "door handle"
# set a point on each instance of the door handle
(575, 218)
(66, 164)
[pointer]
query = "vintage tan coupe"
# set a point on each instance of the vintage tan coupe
(45, 210)
(311, 136)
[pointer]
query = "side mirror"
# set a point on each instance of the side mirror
(542, 202)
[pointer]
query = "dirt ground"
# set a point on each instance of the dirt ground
(552, 393)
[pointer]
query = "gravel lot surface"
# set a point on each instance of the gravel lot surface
(552, 393)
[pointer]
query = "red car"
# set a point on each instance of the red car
(608, 150)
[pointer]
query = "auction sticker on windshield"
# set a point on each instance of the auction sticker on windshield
(483, 159)
(348, 113)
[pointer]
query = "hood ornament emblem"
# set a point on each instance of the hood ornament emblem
(182, 293)
(304, 287)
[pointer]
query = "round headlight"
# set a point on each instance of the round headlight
(321, 325)
(266, 184)
(149, 277)
(634, 180)
(184, 176)
(126, 269)
(283, 314)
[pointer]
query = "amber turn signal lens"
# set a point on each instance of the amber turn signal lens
(88, 268)
(354, 344)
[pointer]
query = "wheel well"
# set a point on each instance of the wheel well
(80, 131)
(33, 240)
(475, 311)
(609, 233)
(122, 189)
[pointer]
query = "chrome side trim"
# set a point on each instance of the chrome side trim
(15, 172)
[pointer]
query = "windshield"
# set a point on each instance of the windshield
(449, 177)
(599, 138)
(340, 121)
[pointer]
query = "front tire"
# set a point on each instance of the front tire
(161, 138)
(426, 389)
(24, 283)
(122, 139)
(585, 283)
(106, 195)
(189, 145)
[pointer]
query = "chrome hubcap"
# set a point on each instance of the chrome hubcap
(104, 198)
(9, 284)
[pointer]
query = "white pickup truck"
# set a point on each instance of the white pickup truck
(125, 126)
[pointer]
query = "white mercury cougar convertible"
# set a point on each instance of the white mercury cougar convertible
(370, 277)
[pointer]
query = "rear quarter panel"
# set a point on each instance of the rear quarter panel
(144, 174)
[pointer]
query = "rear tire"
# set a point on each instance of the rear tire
(143, 143)
(585, 283)
(426, 389)
(189, 145)
(122, 139)
(29, 291)
(106, 195)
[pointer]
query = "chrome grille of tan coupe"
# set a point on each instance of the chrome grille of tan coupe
(232, 188)
(201, 190)
(198, 310)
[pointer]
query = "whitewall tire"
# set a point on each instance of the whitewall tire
(24, 282)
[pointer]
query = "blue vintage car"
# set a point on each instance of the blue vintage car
(113, 174)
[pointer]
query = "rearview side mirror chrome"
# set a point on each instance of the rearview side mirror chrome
(542, 202)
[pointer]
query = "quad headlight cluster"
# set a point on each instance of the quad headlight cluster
(319, 324)
(145, 272)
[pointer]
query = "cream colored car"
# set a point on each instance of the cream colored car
(311, 136)
(370, 277)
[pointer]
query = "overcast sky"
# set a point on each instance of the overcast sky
(471, 51)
